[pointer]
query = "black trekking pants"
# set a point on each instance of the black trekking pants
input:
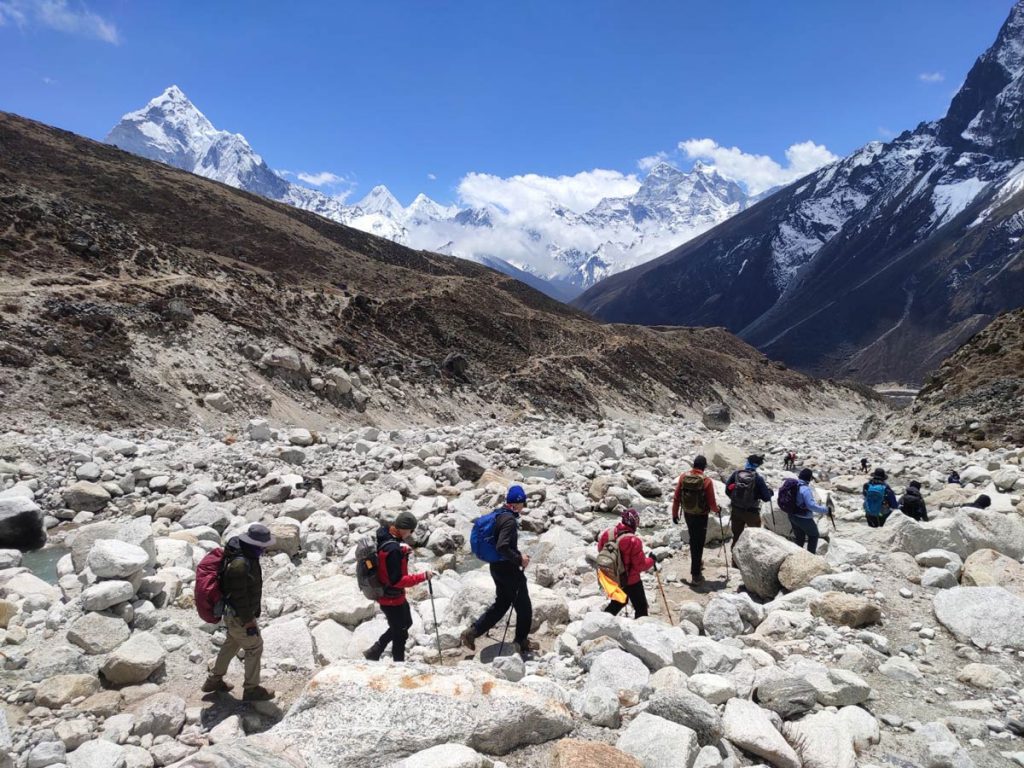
(741, 519)
(697, 525)
(635, 596)
(805, 529)
(399, 621)
(510, 591)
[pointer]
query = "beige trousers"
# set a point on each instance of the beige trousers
(238, 639)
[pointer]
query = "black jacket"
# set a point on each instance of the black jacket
(506, 537)
(912, 505)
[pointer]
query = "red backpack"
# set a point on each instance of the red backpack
(209, 595)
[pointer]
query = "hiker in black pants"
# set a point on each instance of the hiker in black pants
(695, 498)
(509, 576)
(863, 465)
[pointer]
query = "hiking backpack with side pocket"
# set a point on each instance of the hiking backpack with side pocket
(209, 595)
(367, 575)
(609, 559)
(874, 498)
(691, 495)
(483, 539)
(789, 496)
(744, 490)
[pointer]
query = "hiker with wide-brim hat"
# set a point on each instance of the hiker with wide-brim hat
(242, 587)
(879, 499)
(393, 572)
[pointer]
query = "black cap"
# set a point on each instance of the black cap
(700, 463)
(915, 484)
(406, 521)
(756, 459)
(879, 473)
(806, 474)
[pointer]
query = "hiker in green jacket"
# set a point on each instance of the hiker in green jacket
(242, 586)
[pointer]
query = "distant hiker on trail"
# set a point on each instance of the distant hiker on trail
(631, 563)
(797, 500)
(393, 572)
(954, 478)
(242, 587)
(863, 465)
(912, 503)
(507, 570)
(789, 463)
(695, 493)
(879, 499)
(746, 490)
(982, 502)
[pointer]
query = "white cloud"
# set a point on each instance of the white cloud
(530, 195)
(49, 81)
(759, 172)
(58, 15)
(886, 133)
(646, 163)
(321, 178)
(931, 77)
(432, 176)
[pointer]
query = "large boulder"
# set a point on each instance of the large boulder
(138, 532)
(689, 709)
(95, 633)
(98, 753)
(84, 496)
(55, 692)
(716, 416)
(542, 452)
(476, 592)
(162, 714)
(620, 672)
(800, 568)
(471, 464)
(988, 568)
(749, 727)
(106, 594)
(847, 610)
(822, 740)
(113, 559)
(986, 616)
(759, 555)
(574, 753)
(404, 709)
(338, 598)
(658, 743)
(722, 455)
(134, 660)
(289, 639)
(976, 529)
(787, 696)
(21, 524)
(445, 756)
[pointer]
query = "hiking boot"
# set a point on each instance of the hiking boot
(259, 693)
(373, 652)
(468, 638)
(697, 580)
(216, 685)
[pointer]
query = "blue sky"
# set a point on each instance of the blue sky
(419, 95)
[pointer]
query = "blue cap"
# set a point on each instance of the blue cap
(515, 495)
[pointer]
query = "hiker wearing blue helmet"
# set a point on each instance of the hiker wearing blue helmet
(509, 576)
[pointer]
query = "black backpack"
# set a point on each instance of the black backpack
(744, 490)
(912, 505)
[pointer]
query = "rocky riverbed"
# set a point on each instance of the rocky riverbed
(899, 646)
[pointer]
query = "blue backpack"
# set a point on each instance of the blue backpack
(874, 498)
(483, 537)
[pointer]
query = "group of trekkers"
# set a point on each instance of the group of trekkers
(495, 539)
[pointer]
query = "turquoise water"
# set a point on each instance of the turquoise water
(43, 562)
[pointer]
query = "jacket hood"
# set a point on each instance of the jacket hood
(384, 536)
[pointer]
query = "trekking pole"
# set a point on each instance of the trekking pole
(725, 555)
(433, 610)
(771, 506)
(508, 621)
(657, 575)
(831, 511)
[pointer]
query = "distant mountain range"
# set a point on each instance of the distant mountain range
(875, 267)
(562, 252)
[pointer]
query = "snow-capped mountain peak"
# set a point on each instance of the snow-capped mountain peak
(561, 245)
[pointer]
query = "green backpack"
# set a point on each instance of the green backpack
(609, 559)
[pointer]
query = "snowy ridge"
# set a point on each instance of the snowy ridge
(572, 250)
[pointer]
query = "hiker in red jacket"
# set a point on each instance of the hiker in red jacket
(695, 493)
(634, 562)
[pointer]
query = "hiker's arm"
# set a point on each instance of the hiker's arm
(675, 500)
(709, 494)
(890, 498)
(395, 577)
(807, 495)
(763, 491)
(503, 541)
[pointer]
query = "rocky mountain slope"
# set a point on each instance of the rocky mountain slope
(877, 266)
(896, 646)
(566, 251)
(131, 292)
(977, 395)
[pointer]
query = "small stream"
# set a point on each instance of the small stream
(43, 562)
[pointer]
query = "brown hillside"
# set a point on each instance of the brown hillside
(129, 291)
